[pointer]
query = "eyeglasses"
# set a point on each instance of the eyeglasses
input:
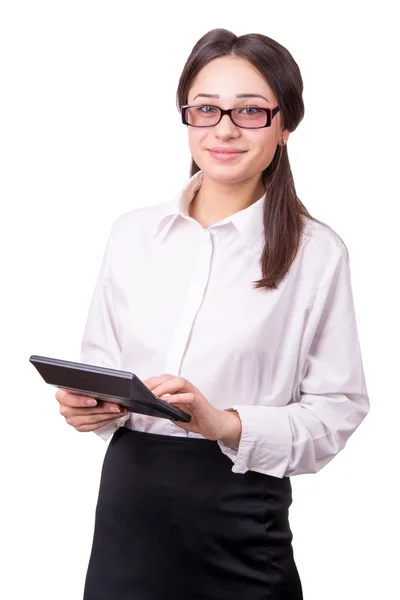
(248, 117)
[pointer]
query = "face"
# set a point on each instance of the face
(218, 84)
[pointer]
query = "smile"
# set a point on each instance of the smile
(226, 155)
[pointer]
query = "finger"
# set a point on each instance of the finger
(108, 405)
(172, 386)
(92, 427)
(186, 398)
(69, 399)
(103, 410)
(153, 382)
(78, 421)
(102, 407)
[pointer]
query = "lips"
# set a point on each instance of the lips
(222, 150)
(221, 154)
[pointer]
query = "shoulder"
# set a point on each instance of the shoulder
(141, 221)
(321, 238)
(139, 224)
(323, 251)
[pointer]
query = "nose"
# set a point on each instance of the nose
(226, 128)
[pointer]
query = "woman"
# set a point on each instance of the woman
(234, 304)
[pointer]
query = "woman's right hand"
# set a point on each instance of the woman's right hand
(85, 414)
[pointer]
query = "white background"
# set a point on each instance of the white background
(76, 152)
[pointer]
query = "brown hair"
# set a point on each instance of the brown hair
(283, 210)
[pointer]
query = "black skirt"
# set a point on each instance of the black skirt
(173, 522)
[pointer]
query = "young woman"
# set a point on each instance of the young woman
(234, 304)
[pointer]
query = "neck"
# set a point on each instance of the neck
(217, 200)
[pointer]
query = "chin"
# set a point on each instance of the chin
(226, 173)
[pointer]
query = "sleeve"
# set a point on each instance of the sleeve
(328, 403)
(100, 344)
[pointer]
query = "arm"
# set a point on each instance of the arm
(328, 403)
(100, 343)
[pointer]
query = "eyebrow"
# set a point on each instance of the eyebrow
(237, 96)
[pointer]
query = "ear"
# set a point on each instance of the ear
(284, 136)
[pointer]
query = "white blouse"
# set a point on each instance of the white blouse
(173, 297)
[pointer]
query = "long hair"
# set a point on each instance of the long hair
(283, 210)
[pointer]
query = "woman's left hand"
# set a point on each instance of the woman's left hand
(208, 421)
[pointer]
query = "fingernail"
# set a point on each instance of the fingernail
(91, 402)
(114, 409)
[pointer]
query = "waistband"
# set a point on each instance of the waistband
(157, 437)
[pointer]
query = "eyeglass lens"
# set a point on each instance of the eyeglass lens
(207, 116)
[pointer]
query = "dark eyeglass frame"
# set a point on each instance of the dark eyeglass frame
(270, 112)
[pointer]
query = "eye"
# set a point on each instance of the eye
(252, 110)
(207, 109)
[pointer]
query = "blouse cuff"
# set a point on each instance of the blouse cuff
(265, 443)
(109, 429)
